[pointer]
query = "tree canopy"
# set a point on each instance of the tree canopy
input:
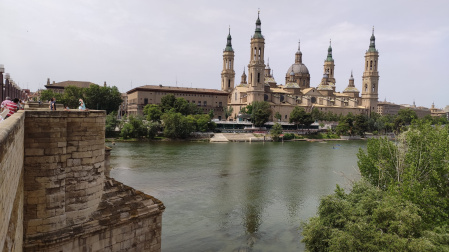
(401, 203)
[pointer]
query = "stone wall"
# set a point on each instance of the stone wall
(54, 192)
(11, 182)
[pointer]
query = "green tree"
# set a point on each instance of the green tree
(228, 112)
(316, 114)
(47, 94)
(167, 102)
(415, 167)
(297, 116)
(98, 97)
(176, 125)
(211, 114)
(278, 116)
(345, 126)
(261, 113)
(153, 112)
(276, 131)
(367, 219)
(111, 124)
(71, 97)
(360, 125)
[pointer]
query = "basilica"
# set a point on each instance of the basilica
(260, 85)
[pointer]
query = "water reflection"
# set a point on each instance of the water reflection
(235, 196)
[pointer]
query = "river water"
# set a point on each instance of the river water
(235, 196)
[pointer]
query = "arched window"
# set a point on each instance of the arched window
(258, 77)
(371, 65)
(255, 52)
(229, 83)
(260, 53)
(375, 65)
(374, 86)
(252, 81)
(366, 65)
(366, 87)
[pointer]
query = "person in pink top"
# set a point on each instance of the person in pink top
(11, 105)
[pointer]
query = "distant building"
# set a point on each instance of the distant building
(206, 99)
(387, 108)
(123, 109)
(297, 90)
(58, 87)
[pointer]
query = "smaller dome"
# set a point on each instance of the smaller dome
(298, 68)
(351, 90)
(324, 87)
(291, 85)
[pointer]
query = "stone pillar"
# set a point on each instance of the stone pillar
(63, 169)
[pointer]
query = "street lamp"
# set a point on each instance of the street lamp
(5, 87)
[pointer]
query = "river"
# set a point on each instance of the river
(235, 196)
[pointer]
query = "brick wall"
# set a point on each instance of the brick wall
(70, 205)
(54, 195)
(11, 183)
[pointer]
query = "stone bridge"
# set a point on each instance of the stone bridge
(54, 194)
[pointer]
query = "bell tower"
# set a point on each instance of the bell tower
(329, 64)
(228, 73)
(370, 79)
(256, 65)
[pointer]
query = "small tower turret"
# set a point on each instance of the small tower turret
(370, 79)
(256, 66)
(228, 73)
(329, 65)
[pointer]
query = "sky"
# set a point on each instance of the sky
(180, 43)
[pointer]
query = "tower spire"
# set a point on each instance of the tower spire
(229, 42)
(329, 52)
(372, 44)
(258, 32)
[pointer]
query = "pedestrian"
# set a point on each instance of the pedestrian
(11, 105)
(7, 99)
(82, 105)
(53, 103)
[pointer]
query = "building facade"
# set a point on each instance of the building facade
(206, 99)
(58, 87)
(260, 85)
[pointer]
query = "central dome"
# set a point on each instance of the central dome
(298, 68)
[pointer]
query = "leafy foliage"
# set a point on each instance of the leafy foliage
(260, 112)
(401, 204)
(276, 131)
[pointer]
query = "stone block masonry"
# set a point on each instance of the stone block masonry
(54, 192)
(11, 182)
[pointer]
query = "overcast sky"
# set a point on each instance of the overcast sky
(135, 42)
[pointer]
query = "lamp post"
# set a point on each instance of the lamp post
(5, 87)
(2, 70)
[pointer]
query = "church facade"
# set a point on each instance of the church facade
(260, 85)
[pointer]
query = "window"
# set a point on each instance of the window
(374, 86)
(199, 103)
(205, 103)
(260, 52)
(220, 104)
(235, 95)
(193, 101)
(371, 65)
(229, 83)
(145, 101)
(366, 65)
(258, 77)
(366, 87)
(285, 116)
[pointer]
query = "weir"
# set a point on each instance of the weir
(54, 194)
